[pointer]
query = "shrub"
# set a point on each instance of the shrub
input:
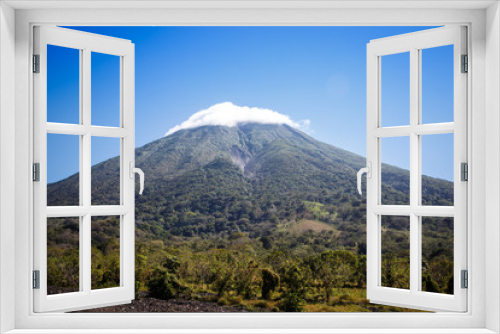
(266, 242)
(163, 285)
(270, 281)
(223, 283)
(261, 304)
(293, 278)
(222, 302)
(449, 286)
(235, 300)
(292, 302)
(345, 299)
(429, 284)
(137, 287)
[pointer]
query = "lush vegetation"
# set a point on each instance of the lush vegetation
(263, 217)
(288, 270)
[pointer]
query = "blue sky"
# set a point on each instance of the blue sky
(315, 73)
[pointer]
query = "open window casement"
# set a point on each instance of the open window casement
(82, 209)
(417, 210)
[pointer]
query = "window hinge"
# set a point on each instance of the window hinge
(465, 64)
(465, 279)
(36, 279)
(36, 63)
(36, 172)
(464, 171)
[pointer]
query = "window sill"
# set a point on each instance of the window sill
(252, 331)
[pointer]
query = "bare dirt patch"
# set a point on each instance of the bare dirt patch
(173, 305)
(311, 225)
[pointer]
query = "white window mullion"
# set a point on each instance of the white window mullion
(123, 184)
(86, 244)
(80, 130)
(80, 126)
(406, 210)
(103, 131)
(421, 129)
(86, 255)
(434, 129)
(392, 210)
(394, 131)
(86, 138)
(414, 169)
(127, 121)
(373, 184)
(67, 129)
(378, 220)
(418, 126)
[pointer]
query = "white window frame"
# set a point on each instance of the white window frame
(85, 43)
(414, 43)
(483, 211)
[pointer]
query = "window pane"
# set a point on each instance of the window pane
(395, 89)
(396, 252)
(105, 171)
(63, 255)
(437, 169)
(105, 252)
(63, 166)
(105, 90)
(437, 254)
(437, 84)
(63, 85)
(395, 187)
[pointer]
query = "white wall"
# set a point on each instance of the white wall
(480, 122)
(492, 165)
(7, 161)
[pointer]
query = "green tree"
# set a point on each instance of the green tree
(335, 269)
(429, 284)
(449, 286)
(440, 269)
(294, 278)
(245, 278)
(163, 285)
(270, 281)
(361, 271)
(292, 302)
(396, 272)
(223, 262)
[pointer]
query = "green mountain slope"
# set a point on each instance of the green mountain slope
(239, 199)
(250, 178)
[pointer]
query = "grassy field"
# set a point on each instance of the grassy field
(344, 300)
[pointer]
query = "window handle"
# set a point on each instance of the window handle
(368, 171)
(133, 171)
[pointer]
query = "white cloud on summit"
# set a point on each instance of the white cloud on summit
(228, 114)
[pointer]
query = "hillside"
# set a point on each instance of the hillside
(227, 211)
(214, 179)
